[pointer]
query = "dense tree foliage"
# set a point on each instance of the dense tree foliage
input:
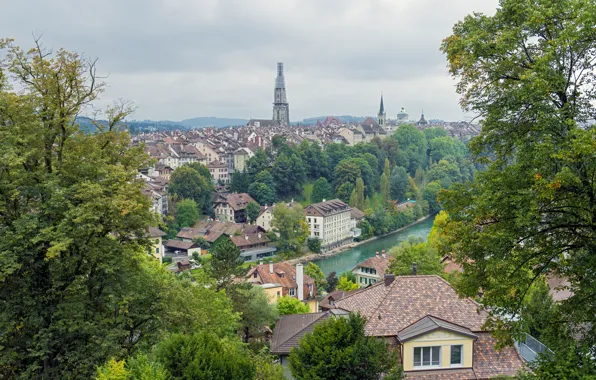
(415, 250)
(354, 355)
(529, 71)
(187, 213)
(290, 223)
(290, 305)
(314, 244)
(332, 282)
(193, 181)
(322, 190)
(313, 271)
(399, 183)
(252, 303)
(76, 284)
(225, 261)
(252, 211)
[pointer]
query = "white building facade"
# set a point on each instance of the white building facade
(331, 222)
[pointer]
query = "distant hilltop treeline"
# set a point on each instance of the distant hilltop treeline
(136, 126)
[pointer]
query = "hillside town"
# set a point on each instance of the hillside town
(391, 246)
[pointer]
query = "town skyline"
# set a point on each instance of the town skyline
(180, 60)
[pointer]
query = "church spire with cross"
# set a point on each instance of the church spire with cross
(281, 107)
(381, 116)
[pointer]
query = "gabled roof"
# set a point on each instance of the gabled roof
(156, 232)
(248, 240)
(237, 201)
(188, 233)
(357, 214)
(377, 262)
(288, 280)
(391, 308)
(179, 244)
(291, 328)
(430, 324)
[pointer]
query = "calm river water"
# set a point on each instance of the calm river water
(347, 260)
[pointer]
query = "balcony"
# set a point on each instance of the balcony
(529, 348)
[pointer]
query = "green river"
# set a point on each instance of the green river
(347, 260)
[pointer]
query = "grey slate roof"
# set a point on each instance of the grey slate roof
(429, 324)
(291, 328)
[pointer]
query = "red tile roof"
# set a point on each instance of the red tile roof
(287, 281)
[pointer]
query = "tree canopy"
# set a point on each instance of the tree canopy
(338, 349)
(290, 223)
(529, 71)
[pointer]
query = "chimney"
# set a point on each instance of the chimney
(324, 200)
(245, 237)
(377, 254)
(414, 269)
(384, 254)
(389, 277)
(260, 262)
(259, 235)
(300, 280)
(270, 268)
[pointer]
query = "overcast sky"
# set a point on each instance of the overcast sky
(178, 59)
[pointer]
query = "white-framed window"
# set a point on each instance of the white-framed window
(457, 355)
(292, 292)
(427, 357)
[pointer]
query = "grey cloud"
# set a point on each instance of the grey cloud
(185, 58)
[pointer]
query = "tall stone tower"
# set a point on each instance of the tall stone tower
(381, 116)
(281, 107)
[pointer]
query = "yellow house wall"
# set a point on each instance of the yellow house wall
(314, 306)
(442, 338)
(272, 293)
(157, 245)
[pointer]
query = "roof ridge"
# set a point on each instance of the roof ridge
(323, 313)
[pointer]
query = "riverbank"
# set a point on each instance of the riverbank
(343, 248)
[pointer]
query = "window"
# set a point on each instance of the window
(292, 292)
(457, 359)
(427, 356)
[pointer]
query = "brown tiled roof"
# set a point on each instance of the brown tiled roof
(248, 240)
(335, 296)
(237, 201)
(409, 298)
(429, 324)
(179, 244)
(326, 208)
(488, 362)
(156, 232)
(377, 262)
(287, 281)
(188, 233)
(291, 328)
(357, 214)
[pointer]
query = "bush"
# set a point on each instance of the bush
(314, 244)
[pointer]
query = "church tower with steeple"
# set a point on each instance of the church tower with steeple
(281, 107)
(381, 116)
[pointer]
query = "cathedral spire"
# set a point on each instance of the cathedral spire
(381, 116)
(281, 107)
